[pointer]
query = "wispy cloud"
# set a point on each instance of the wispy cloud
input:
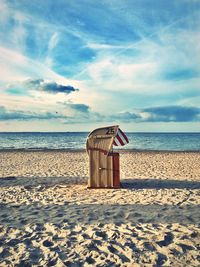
(17, 67)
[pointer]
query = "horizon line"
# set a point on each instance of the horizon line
(89, 132)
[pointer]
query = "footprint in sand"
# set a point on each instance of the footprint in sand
(90, 260)
(5, 253)
(115, 251)
(101, 234)
(149, 246)
(85, 236)
(161, 259)
(132, 246)
(168, 239)
(52, 262)
(39, 227)
(194, 234)
(24, 263)
(13, 242)
(27, 241)
(35, 254)
(48, 243)
(2, 240)
(185, 247)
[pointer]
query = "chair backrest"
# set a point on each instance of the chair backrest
(102, 139)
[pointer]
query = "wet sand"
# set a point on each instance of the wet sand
(48, 217)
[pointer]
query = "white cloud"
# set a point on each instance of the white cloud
(51, 45)
(147, 68)
(53, 41)
(17, 67)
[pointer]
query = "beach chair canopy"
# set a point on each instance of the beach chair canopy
(103, 139)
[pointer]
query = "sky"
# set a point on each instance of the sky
(78, 65)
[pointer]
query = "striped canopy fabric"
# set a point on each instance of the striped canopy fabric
(120, 138)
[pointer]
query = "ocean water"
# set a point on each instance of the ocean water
(77, 140)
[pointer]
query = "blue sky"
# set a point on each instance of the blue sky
(76, 65)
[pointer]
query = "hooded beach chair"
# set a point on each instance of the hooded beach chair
(104, 170)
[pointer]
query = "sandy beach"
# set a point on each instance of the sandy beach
(48, 217)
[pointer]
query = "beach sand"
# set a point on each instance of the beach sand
(48, 217)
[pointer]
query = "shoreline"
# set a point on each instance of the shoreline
(84, 150)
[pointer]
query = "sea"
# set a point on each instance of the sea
(77, 141)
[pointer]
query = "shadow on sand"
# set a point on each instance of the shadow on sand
(72, 213)
(159, 184)
(132, 183)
